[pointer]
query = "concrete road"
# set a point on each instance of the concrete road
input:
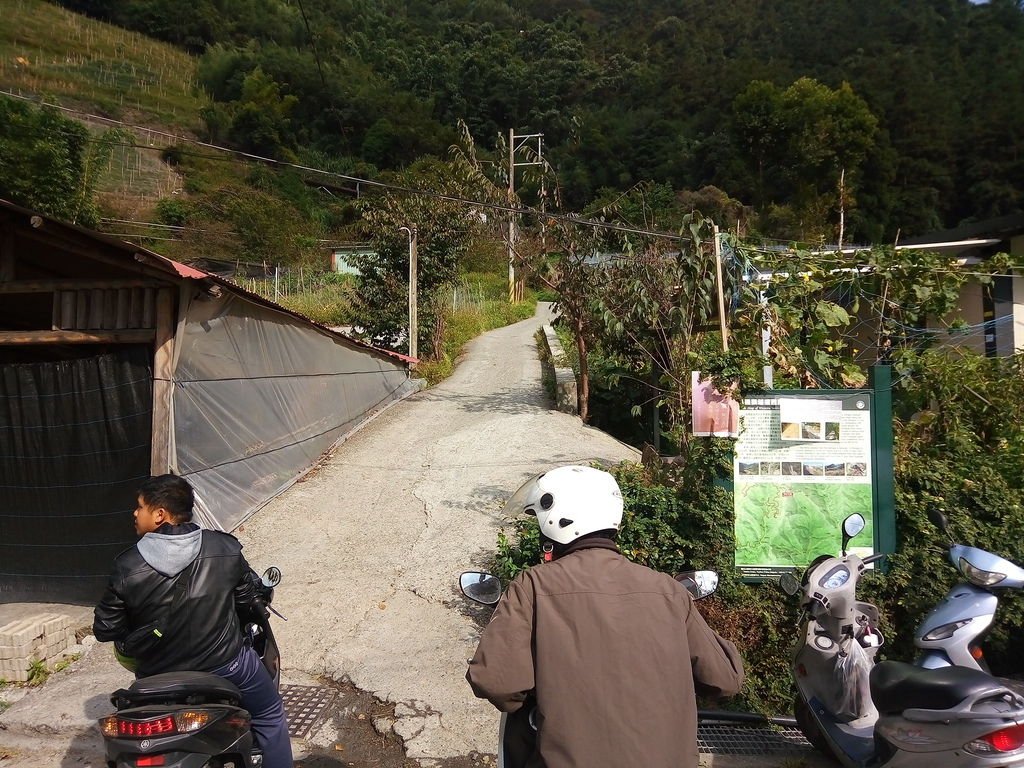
(372, 544)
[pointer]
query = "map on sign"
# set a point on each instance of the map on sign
(793, 487)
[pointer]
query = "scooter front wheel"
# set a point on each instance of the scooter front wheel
(809, 727)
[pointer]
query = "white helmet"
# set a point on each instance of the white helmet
(570, 502)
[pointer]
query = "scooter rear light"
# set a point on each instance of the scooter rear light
(151, 760)
(108, 726)
(160, 726)
(998, 742)
(191, 720)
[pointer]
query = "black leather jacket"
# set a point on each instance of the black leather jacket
(205, 633)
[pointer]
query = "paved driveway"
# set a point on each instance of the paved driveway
(371, 545)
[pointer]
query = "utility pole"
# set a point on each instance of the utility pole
(514, 290)
(721, 287)
(413, 330)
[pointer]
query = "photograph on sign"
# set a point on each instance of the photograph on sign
(802, 464)
(714, 414)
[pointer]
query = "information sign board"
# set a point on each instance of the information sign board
(803, 462)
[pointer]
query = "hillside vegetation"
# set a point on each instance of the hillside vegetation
(914, 103)
(48, 51)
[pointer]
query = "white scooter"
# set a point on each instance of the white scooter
(891, 714)
(517, 732)
(951, 634)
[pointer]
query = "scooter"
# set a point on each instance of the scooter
(890, 714)
(192, 719)
(951, 634)
(517, 731)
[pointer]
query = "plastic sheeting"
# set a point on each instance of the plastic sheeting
(74, 448)
(259, 396)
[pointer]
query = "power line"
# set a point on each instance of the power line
(396, 188)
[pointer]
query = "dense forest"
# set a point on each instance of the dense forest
(915, 104)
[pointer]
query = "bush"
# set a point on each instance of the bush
(173, 211)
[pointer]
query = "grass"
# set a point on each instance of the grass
(66, 662)
(38, 672)
(48, 51)
(329, 304)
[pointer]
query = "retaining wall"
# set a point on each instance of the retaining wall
(565, 378)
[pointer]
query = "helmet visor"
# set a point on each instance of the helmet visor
(524, 499)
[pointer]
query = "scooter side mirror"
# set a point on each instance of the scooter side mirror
(699, 584)
(852, 525)
(271, 577)
(480, 587)
(938, 519)
(789, 584)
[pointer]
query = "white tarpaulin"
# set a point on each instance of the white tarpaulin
(259, 395)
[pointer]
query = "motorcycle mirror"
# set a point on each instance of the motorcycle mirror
(789, 584)
(271, 577)
(480, 587)
(852, 525)
(700, 584)
(938, 519)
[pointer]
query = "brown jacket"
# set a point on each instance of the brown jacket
(613, 651)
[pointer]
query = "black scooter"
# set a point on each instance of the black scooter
(191, 719)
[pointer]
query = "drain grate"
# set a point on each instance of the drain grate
(728, 739)
(305, 706)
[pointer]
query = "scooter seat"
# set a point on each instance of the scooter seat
(178, 687)
(896, 686)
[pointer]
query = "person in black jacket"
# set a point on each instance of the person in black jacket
(172, 604)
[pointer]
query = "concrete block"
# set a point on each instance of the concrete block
(9, 666)
(55, 649)
(15, 651)
(21, 631)
(55, 623)
(20, 676)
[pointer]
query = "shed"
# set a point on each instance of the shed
(117, 363)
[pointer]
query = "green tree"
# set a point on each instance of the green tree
(49, 163)
(260, 123)
(804, 138)
(444, 230)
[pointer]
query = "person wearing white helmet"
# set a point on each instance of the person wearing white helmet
(613, 652)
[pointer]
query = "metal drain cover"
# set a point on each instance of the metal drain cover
(305, 706)
(729, 739)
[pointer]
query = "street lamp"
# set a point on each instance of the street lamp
(411, 232)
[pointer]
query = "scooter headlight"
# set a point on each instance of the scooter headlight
(946, 631)
(977, 576)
